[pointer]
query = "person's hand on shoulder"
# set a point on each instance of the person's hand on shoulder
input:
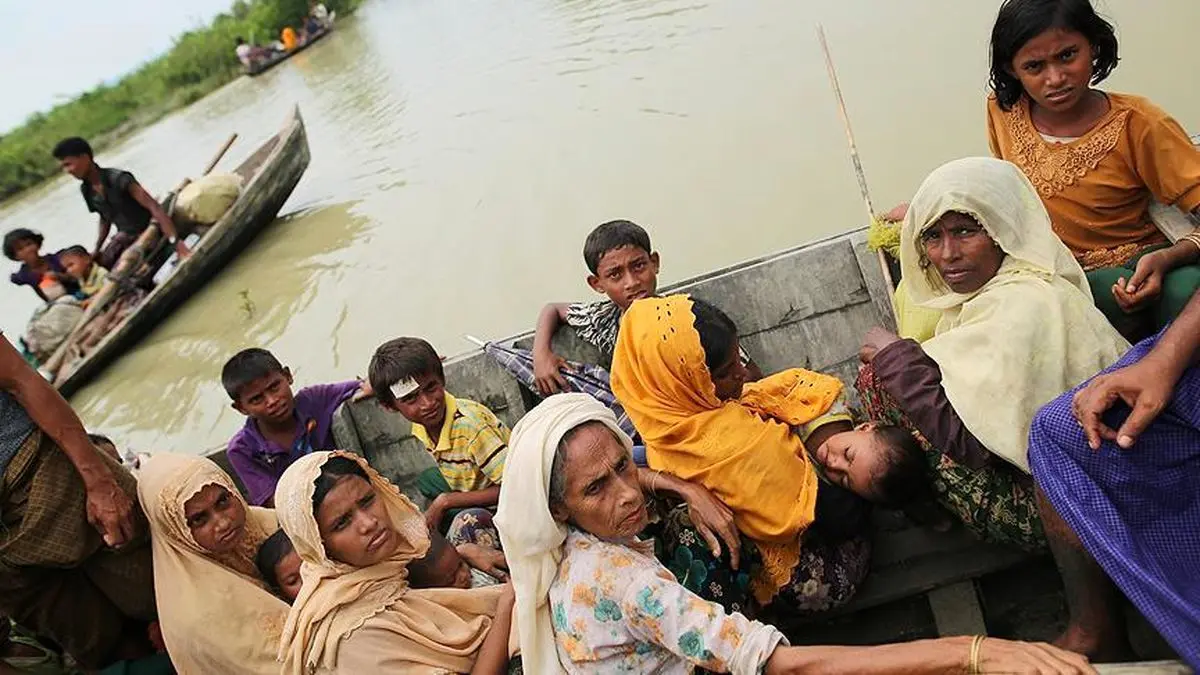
(714, 520)
(435, 513)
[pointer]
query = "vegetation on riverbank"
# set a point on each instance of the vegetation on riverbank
(199, 62)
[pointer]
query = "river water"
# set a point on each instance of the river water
(461, 152)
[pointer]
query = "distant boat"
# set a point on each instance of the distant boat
(268, 177)
(262, 66)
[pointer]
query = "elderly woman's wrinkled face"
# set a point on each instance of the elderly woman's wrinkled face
(962, 252)
(601, 493)
(216, 519)
(354, 524)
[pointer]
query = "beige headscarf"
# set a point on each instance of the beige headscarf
(531, 537)
(216, 614)
(442, 628)
(1031, 332)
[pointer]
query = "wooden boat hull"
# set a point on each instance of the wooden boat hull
(283, 160)
(263, 66)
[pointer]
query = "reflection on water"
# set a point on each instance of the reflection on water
(461, 152)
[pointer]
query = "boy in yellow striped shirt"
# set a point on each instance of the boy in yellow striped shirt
(466, 439)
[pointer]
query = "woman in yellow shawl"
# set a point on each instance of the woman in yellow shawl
(676, 372)
(356, 534)
(215, 612)
(1017, 328)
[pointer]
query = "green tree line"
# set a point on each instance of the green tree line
(199, 62)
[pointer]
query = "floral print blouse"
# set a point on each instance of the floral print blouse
(616, 609)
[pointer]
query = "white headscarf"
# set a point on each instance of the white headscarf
(531, 537)
(1031, 332)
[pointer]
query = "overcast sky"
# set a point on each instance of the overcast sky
(54, 50)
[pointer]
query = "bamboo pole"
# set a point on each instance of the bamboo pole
(858, 169)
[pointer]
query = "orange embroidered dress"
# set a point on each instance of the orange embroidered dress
(1098, 187)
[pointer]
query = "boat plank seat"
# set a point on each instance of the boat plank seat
(805, 307)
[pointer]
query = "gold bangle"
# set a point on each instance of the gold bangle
(976, 645)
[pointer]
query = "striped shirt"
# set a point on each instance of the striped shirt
(471, 448)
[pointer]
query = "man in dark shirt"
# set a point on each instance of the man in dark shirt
(119, 199)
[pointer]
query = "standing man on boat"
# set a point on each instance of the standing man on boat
(75, 561)
(119, 199)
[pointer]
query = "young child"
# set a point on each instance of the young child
(623, 266)
(83, 270)
(279, 565)
(468, 442)
(119, 199)
(446, 566)
(45, 274)
(282, 426)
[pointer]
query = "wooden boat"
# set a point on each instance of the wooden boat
(260, 67)
(268, 175)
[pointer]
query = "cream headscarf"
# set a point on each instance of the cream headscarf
(1031, 332)
(215, 612)
(531, 537)
(441, 628)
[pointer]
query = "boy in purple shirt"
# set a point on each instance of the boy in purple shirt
(282, 427)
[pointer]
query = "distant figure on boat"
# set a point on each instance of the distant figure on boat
(1117, 463)
(288, 38)
(318, 13)
(83, 270)
(248, 53)
(1017, 328)
(468, 442)
(1096, 158)
(118, 198)
(281, 427)
(75, 560)
(45, 274)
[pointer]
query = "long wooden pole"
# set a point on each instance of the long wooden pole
(858, 169)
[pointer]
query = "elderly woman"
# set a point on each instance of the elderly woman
(591, 597)
(1017, 329)
(356, 535)
(1117, 463)
(215, 611)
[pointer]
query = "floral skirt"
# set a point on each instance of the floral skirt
(995, 503)
(826, 577)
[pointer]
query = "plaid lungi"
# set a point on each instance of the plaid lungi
(56, 576)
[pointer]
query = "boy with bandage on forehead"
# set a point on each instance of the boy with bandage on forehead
(465, 438)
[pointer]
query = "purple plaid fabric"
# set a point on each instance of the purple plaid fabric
(584, 378)
(1137, 511)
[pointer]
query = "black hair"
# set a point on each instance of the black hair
(610, 236)
(906, 481)
(14, 237)
(247, 366)
(241, 40)
(402, 359)
(273, 549)
(1019, 21)
(332, 471)
(72, 147)
(421, 570)
(718, 333)
(75, 249)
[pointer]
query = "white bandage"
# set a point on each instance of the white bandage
(404, 388)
